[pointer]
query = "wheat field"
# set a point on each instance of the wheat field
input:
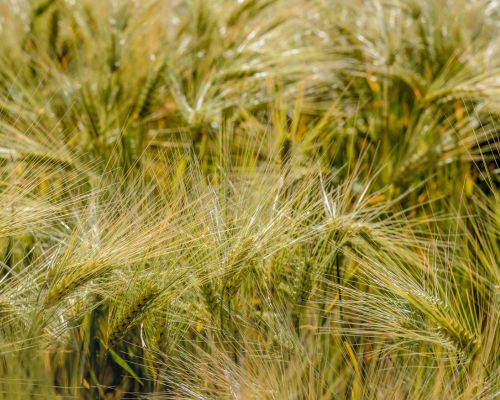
(249, 199)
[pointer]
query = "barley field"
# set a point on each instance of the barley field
(249, 199)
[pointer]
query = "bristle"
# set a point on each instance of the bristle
(249, 199)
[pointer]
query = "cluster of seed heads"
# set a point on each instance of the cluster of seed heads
(459, 338)
(133, 312)
(302, 283)
(67, 284)
(210, 297)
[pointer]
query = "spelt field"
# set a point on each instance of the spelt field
(249, 199)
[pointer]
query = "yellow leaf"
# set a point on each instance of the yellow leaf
(85, 384)
(256, 301)
(376, 199)
(469, 185)
(459, 111)
(416, 92)
(19, 169)
(43, 186)
(372, 82)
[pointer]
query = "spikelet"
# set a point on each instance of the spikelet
(146, 96)
(92, 114)
(232, 284)
(54, 33)
(131, 313)
(302, 285)
(234, 264)
(6, 309)
(460, 338)
(210, 297)
(69, 282)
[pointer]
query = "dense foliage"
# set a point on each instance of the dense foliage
(249, 199)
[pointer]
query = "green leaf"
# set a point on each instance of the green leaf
(121, 362)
